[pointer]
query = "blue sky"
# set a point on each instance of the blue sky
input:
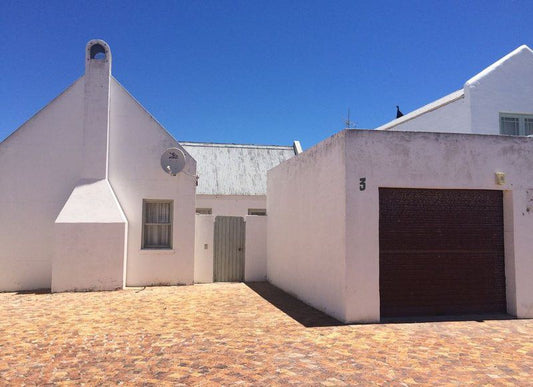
(265, 72)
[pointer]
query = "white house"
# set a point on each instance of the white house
(498, 100)
(230, 207)
(373, 224)
(84, 202)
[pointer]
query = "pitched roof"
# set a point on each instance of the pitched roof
(522, 50)
(235, 169)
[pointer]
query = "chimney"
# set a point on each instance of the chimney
(96, 109)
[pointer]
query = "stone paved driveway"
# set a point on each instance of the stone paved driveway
(228, 333)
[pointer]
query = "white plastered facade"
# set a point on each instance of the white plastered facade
(72, 183)
(504, 87)
(323, 232)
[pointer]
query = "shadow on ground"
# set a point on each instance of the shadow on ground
(299, 311)
(311, 317)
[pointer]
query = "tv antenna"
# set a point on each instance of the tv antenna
(349, 124)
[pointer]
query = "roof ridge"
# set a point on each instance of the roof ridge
(231, 144)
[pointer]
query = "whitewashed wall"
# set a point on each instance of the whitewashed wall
(203, 249)
(432, 160)
(306, 226)
(504, 87)
(40, 164)
(230, 205)
(97, 248)
(135, 146)
(451, 118)
(255, 265)
(90, 240)
(304, 222)
(254, 252)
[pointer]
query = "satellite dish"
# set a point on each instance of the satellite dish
(173, 161)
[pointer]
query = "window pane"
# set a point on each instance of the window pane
(528, 126)
(157, 213)
(157, 225)
(509, 126)
(157, 236)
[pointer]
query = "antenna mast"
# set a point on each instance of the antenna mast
(349, 124)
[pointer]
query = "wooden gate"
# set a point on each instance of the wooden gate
(228, 262)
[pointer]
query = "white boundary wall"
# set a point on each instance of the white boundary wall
(306, 226)
(255, 251)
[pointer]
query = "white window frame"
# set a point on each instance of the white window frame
(521, 117)
(148, 201)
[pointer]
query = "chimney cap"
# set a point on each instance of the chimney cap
(97, 49)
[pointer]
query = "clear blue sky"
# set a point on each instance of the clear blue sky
(263, 72)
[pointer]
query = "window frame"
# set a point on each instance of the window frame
(521, 117)
(171, 224)
(257, 211)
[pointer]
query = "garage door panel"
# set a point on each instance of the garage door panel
(441, 252)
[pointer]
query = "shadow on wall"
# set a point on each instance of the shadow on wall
(35, 291)
(429, 319)
(299, 311)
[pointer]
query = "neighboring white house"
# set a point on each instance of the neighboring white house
(84, 202)
(374, 224)
(498, 100)
(232, 192)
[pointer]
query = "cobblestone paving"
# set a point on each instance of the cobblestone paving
(228, 333)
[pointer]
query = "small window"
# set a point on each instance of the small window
(204, 211)
(516, 124)
(157, 224)
(257, 211)
(528, 126)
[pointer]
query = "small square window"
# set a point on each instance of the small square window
(157, 224)
(257, 211)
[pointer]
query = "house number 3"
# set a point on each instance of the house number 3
(362, 184)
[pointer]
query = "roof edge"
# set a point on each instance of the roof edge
(476, 78)
(446, 100)
(234, 145)
(56, 98)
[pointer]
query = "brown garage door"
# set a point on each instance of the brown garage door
(441, 252)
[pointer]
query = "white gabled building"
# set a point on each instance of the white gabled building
(498, 100)
(230, 201)
(84, 202)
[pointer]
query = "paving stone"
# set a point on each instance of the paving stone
(242, 334)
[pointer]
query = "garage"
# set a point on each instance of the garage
(441, 252)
